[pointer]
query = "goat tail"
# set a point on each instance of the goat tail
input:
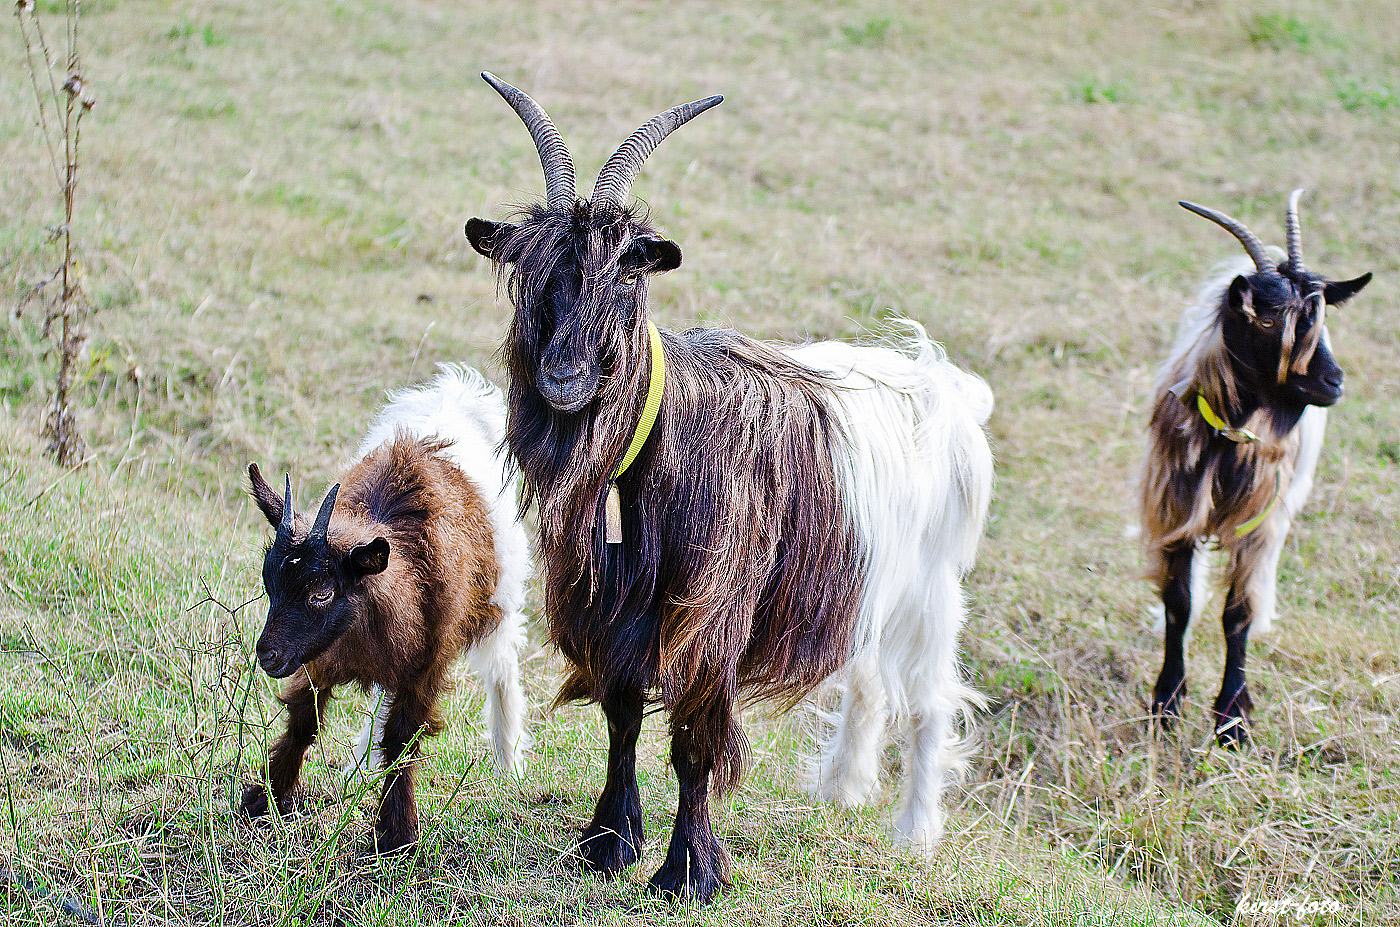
(929, 357)
(954, 406)
(496, 659)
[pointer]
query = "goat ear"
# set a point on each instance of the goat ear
(655, 254)
(482, 234)
(1241, 297)
(369, 559)
(1338, 292)
(268, 501)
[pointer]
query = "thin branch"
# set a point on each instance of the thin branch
(39, 97)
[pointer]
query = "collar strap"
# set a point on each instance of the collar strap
(653, 403)
(1259, 519)
(612, 509)
(1222, 427)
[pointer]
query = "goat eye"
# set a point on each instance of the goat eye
(1267, 323)
(321, 599)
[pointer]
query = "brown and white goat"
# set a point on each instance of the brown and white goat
(1236, 430)
(791, 513)
(413, 558)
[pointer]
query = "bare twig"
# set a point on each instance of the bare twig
(69, 308)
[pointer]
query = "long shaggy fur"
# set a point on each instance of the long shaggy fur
(793, 511)
(917, 475)
(789, 509)
(1195, 488)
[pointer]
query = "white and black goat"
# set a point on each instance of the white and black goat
(413, 558)
(790, 513)
(1236, 430)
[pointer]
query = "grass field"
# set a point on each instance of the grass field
(271, 215)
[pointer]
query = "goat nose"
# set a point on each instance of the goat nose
(268, 656)
(566, 373)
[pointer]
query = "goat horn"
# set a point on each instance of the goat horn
(288, 519)
(1235, 227)
(323, 517)
(1295, 233)
(615, 179)
(554, 156)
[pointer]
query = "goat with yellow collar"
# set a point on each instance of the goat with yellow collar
(723, 519)
(1236, 430)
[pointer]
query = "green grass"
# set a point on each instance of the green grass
(271, 208)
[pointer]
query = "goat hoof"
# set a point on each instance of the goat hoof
(1232, 736)
(696, 886)
(608, 852)
(1231, 716)
(1232, 730)
(1166, 703)
(392, 843)
(255, 803)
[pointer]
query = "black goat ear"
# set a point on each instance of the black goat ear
(483, 235)
(268, 501)
(1338, 292)
(654, 254)
(1241, 298)
(371, 558)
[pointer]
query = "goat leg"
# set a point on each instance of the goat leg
(697, 864)
(1176, 604)
(305, 706)
(613, 839)
(410, 718)
(1233, 704)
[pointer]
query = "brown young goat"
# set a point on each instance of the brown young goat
(414, 557)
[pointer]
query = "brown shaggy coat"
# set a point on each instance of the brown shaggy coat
(403, 627)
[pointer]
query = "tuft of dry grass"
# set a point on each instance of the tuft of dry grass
(275, 208)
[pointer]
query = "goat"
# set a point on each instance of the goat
(789, 512)
(1237, 425)
(414, 557)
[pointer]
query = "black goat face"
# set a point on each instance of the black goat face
(578, 282)
(315, 591)
(1277, 336)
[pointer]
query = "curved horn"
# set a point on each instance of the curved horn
(615, 179)
(1295, 232)
(323, 517)
(1235, 227)
(554, 157)
(288, 519)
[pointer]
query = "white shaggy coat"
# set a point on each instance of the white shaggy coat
(918, 474)
(461, 406)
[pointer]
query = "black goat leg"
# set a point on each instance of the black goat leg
(612, 841)
(1233, 704)
(305, 706)
(1176, 604)
(408, 721)
(697, 864)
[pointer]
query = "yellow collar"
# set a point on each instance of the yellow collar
(1257, 520)
(1222, 427)
(612, 516)
(1239, 436)
(653, 404)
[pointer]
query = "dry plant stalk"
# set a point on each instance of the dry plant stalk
(69, 308)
